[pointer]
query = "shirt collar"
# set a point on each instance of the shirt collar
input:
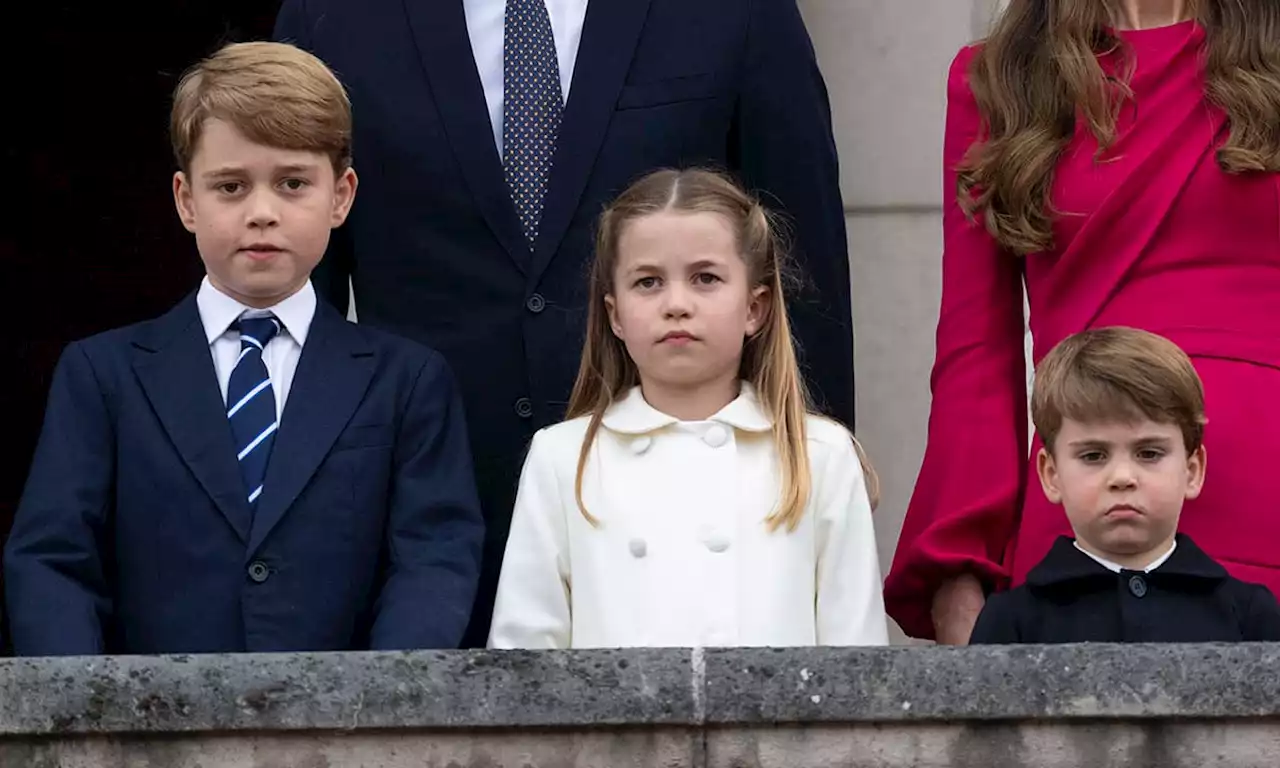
(1115, 567)
(632, 415)
(218, 311)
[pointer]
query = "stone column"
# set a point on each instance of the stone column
(885, 63)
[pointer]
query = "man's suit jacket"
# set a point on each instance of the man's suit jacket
(134, 534)
(434, 246)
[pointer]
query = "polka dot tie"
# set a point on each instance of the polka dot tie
(532, 106)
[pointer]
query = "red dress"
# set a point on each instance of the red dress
(1155, 236)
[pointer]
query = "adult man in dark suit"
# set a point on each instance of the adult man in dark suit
(490, 133)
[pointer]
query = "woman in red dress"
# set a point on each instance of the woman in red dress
(1120, 158)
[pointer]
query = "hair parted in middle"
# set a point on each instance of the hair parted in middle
(769, 362)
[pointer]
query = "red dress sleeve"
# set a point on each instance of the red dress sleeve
(966, 501)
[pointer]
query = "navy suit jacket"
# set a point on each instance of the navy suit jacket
(434, 247)
(134, 534)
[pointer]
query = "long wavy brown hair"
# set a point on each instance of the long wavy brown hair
(1040, 68)
(769, 361)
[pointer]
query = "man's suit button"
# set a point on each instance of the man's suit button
(524, 407)
(536, 303)
(259, 572)
(1138, 586)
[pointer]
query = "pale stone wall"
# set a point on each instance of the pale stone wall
(885, 63)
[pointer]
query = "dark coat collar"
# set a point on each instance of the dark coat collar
(1065, 564)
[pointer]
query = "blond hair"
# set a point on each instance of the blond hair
(1118, 374)
(769, 361)
(273, 93)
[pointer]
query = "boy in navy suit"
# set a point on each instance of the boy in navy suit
(249, 472)
(1121, 414)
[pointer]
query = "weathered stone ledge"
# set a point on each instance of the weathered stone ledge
(584, 690)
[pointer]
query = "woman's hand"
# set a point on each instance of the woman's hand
(956, 606)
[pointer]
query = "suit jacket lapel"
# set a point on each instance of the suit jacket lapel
(329, 383)
(175, 368)
(609, 37)
(440, 29)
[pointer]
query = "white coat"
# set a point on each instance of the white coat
(682, 555)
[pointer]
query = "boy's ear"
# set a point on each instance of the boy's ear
(344, 194)
(183, 202)
(1047, 469)
(1196, 466)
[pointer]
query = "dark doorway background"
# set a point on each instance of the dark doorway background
(88, 236)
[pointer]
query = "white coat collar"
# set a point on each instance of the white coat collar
(632, 415)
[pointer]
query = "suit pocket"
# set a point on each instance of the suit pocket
(364, 436)
(671, 90)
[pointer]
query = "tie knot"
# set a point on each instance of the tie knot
(257, 331)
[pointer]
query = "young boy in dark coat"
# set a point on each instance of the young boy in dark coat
(1121, 415)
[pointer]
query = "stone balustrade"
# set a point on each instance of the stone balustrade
(1094, 706)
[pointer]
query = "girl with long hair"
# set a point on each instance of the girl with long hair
(690, 498)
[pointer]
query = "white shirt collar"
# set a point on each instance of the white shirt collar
(218, 311)
(1116, 567)
(633, 415)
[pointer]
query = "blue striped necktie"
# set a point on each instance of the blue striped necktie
(532, 107)
(251, 403)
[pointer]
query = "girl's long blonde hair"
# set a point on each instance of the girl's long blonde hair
(769, 362)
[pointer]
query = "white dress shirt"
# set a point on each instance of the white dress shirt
(485, 25)
(682, 555)
(218, 311)
(1116, 567)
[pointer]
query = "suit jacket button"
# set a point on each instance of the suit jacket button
(637, 547)
(536, 303)
(524, 407)
(1138, 586)
(259, 572)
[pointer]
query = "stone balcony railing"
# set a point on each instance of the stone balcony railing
(1093, 706)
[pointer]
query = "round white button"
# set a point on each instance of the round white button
(641, 444)
(637, 547)
(716, 436)
(718, 543)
